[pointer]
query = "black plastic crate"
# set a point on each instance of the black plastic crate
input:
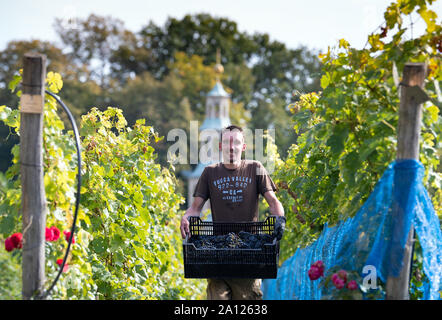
(226, 262)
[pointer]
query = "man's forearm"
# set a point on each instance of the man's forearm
(192, 212)
(276, 208)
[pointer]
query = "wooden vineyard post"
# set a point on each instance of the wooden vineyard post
(33, 198)
(409, 126)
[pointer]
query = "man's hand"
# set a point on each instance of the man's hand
(194, 210)
(185, 226)
(279, 227)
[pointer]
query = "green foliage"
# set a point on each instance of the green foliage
(418, 276)
(348, 131)
(92, 41)
(10, 280)
(260, 72)
(155, 47)
(197, 79)
(128, 245)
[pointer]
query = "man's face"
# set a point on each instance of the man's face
(232, 145)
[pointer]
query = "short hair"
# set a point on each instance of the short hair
(230, 128)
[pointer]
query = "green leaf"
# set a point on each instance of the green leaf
(336, 142)
(429, 17)
(99, 245)
(349, 168)
(325, 80)
(14, 82)
(433, 112)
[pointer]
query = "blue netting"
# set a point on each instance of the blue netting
(374, 236)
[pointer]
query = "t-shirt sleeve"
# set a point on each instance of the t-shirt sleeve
(202, 186)
(264, 181)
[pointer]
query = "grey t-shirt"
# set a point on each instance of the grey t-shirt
(234, 193)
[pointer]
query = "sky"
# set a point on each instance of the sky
(316, 24)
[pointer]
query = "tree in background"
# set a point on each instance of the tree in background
(91, 42)
(261, 73)
(104, 64)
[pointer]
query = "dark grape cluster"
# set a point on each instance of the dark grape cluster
(241, 240)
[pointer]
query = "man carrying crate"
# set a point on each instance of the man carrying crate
(233, 187)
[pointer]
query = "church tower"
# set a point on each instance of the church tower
(216, 118)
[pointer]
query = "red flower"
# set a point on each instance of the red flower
(337, 281)
(320, 265)
(316, 270)
(352, 285)
(67, 235)
(52, 233)
(60, 262)
(49, 235)
(17, 240)
(56, 233)
(9, 245)
(314, 273)
(343, 275)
